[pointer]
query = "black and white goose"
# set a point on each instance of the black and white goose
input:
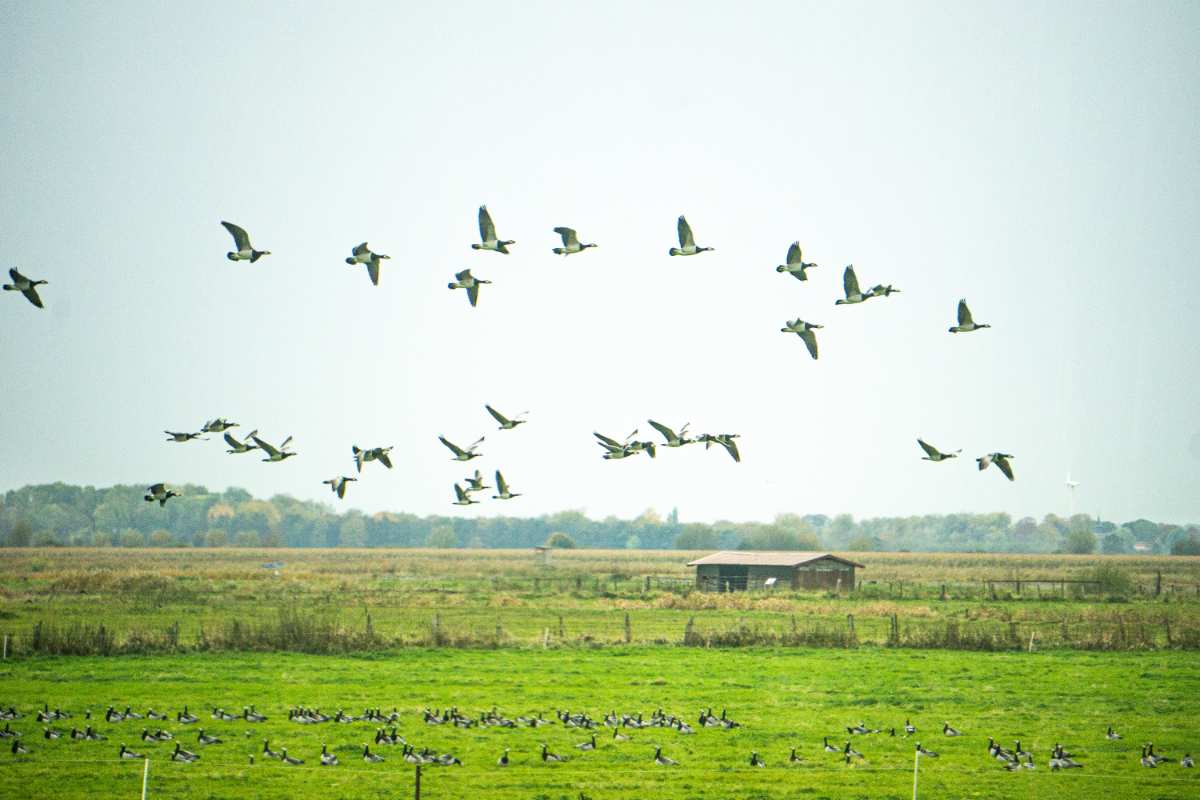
(1147, 761)
(549, 757)
(180, 436)
(933, 454)
(965, 323)
(570, 242)
(218, 425)
(184, 755)
(379, 454)
(795, 266)
(850, 287)
(51, 733)
(241, 240)
(462, 498)
(160, 493)
(465, 280)
(619, 737)
(614, 449)
(506, 424)
(18, 749)
(205, 739)
(687, 242)
(185, 717)
(273, 453)
(1186, 762)
(240, 447)
(659, 758)
(1112, 735)
(369, 757)
(588, 745)
(805, 331)
(850, 752)
(338, 485)
(755, 761)
(328, 759)
(909, 728)
(879, 290)
(126, 753)
(25, 286)
(487, 235)
(1000, 460)
(363, 255)
(925, 752)
(828, 748)
(267, 752)
(459, 453)
(290, 760)
(946, 729)
(793, 758)
(502, 761)
(672, 439)
(502, 487)
(475, 482)
(726, 440)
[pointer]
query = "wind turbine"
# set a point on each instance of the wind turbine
(1072, 486)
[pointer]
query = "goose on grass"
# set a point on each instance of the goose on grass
(687, 242)
(966, 323)
(184, 755)
(662, 760)
(465, 280)
(241, 240)
(551, 758)
(805, 331)
(328, 759)
(369, 757)
(160, 493)
(795, 266)
(570, 242)
(487, 235)
(363, 255)
(25, 286)
(933, 454)
(126, 753)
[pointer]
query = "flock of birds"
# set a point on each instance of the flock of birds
(794, 265)
(1013, 760)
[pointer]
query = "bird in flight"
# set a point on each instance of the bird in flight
(687, 242)
(241, 240)
(25, 286)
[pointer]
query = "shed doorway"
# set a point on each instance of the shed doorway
(732, 577)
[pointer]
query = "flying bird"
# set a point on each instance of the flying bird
(463, 499)
(459, 453)
(218, 425)
(687, 243)
(338, 485)
(177, 436)
(241, 240)
(673, 439)
(796, 265)
(570, 242)
(933, 454)
(25, 286)
(506, 424)
(379, 454)
(363, 255)
(879, 290)
(465, 280)
(487, 235)
(274, 454)
(1000, 460)
(615, 449)
(805, 331)
(850, 286)
(502, 486)
(966, 323)
(726, 440)
(160, 493)
(475, 483)
(240, 447)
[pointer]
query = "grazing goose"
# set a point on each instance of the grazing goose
(183, 755)
(850, 752)
(965, 323)
(369, 757)
(285, 758)
(475, 484)
(850, 285)
(328, 759)
(805, 331)
(160, 493)
(503, 489)
(465, 280)
(1186, 762)
(551, 757)
(1147, 761)
(926, 753)
(933, 454)
(659, 758)
(1112, 735)
(268, 752)
(726, 440)
(241, 240)
(363, 255)
(795, 265)
(755, 761)
(185, 717)
(946, 729)
(487, 235)
(204, 738)
(506, 424)
(570, 242)
(687, 243)
(125, 752)
(828, 748)
(793, 758)
(338, 485)
(589, 745)
(25, 286)
(502, 761)
(459, 453)
(274, 454)
(218, 425)
(1000, 460)
(240, 447)
(673, 439)
(463, 499)
(177, 436)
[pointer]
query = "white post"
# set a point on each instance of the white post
(916, 766)
(6, 647)
(145, 778)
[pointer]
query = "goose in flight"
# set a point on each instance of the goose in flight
(506, 424)
(218, 425)
(673, 439)
(1000, 460)
(966, 323)
(805, 331)
(502, 487)
(465, 280)
(459, 453)
(487, 235)
(241, 447)
(687, 242)
(274, 454)
(25, 286)
(241, 240)
(363, 255)
(177, 436)
(570, 242)
(475, 484)
(338, 485)
(879, 290)
(615, 449)
(462, 498)
(850, 285)
(160, 493)
(796, 264)
(726, 440)
(379, 454)
(933, 454)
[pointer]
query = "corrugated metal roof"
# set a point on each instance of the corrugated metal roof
(769, 558)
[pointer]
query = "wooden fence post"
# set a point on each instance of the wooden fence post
(417, 784)
(850, 626)
(561, 634)
(1158, 583)
(628, 629)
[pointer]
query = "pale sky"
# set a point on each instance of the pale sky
(1040, 160)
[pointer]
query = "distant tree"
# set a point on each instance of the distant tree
(773, 537)
(476, 542)
(1102, 526)
(862, 543)
(1080, 542)
(695, 536)
(1187, 546)
(353, 531)
(1117, 542)
(102, 539)
(216, 538)
(270, 539)
(673, 517)
(633, 542)
(247, 539)
(560, 540)
(21, 534)
(161, 538)
(45, 539)
(442, 536)
(132, 538)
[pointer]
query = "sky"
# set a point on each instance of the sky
(1038, 159)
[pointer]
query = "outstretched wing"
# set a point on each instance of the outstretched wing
(810, 341)
(462, 276)
(32, 296)
(501, 486)
(964, 313)
(487, 230)
(232, 442)
(341, 488)
(473, 293)
(685, 234)
(241, 239)
(794, 255)
(373, 270)
(459, 492)
(384, 459)
(458, 451)
(850, 281)
(362, 248)
(15, 275)
(612, 443)
(157, 489)
(286, 442)
(568, 236)
(497, 415)
(929, 449)
(266, 448)
(732, 447)
(1005, 467)
(667, 433)
(476, 443)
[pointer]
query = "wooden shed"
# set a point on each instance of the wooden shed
(734, 571)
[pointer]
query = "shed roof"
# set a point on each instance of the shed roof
(770, 558)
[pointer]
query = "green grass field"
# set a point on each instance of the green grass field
(784, 699)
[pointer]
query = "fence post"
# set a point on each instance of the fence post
(628, 629)
(417, 784)
(916, 768)
(1158, 583)
(6, 647)
(850, 625)
(145, 777)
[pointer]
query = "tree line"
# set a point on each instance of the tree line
(59, 514)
